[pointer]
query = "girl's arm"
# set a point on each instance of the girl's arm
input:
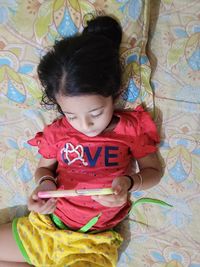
(46, 167)
(150, 172)
(149, 175)
(44, 177)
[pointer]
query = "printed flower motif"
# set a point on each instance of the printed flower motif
(185, 51)
(48, 20)
(130, 86)
(15, 80)
(42, 24)
(33, 7)
(180, 215)
(132, 7)
(18, 154)
(136, 78)
(62, 18)
(183, 149)
(171, 256)
(6, 8)
(16, 164)
(168, 38)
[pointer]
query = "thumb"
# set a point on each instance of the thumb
(116, 189)
(116, 186)
(34, 196)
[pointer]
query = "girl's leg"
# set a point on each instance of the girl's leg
(9, 251)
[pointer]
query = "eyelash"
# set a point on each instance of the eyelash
(93, 116)
(96, 116)
(71, 119)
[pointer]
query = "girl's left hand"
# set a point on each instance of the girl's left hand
(120, 187)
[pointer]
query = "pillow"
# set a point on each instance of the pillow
(175, 50)
(28, 28)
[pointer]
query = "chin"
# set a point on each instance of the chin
(92, 134)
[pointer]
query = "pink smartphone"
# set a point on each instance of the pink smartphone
(73, 193)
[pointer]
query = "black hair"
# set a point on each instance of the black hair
(87, 63)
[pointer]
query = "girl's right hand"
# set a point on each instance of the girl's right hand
(43, 206)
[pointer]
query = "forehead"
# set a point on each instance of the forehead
(83, 103)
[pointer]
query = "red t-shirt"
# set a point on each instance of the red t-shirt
(93, 162)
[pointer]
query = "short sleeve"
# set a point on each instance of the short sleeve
(45, 142)
(145, 136)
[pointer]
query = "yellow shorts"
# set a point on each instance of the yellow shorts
(43, 244)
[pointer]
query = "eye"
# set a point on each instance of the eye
(96, 115)
(71, 118)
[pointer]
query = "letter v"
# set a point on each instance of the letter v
(92, 161)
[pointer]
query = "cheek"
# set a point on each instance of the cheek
(75, 124)
(72, 123)
(110, 114)
(106, 120)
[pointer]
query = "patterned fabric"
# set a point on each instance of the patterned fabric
(171, 237)
(154, 236)
(44, 245)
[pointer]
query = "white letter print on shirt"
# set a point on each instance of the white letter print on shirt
(69, 151)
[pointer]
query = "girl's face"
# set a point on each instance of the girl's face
(88, 114)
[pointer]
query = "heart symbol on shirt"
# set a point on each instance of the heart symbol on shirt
(72, 154)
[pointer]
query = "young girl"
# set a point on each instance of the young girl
(90, 146)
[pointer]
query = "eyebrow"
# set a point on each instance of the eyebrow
(88, 111)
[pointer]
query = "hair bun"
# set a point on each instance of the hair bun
(105, 26)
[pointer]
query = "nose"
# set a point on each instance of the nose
(86, 124)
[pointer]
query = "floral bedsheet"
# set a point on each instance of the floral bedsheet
(154, 236)
(170, 237)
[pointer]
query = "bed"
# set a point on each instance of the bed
(161, 59)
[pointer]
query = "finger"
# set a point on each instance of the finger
(35, 196)
(117, 186)
(34, 200)
(48, 210)
(111, 204)
(48, 207)
(111, 198)
(35, 205)
(108, 198)
(48, 203)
